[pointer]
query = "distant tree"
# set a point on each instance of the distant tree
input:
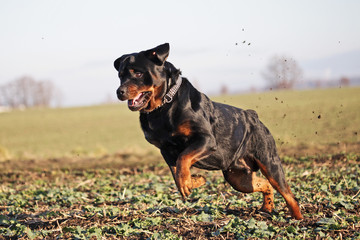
(282, 73)
(318, 83)
(27, 92)
(44, 93)
(224, 90)
(344, 81)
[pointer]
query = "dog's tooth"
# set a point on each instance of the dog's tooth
(138, 97)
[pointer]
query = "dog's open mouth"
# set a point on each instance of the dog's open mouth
(139, 101)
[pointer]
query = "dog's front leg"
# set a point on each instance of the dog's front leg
(198, 150)
(183, 176)
(196, 179)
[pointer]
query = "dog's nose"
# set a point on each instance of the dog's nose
(120, 92)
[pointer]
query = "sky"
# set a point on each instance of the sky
(214, 43)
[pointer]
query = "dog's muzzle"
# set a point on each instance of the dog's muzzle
(122, 93)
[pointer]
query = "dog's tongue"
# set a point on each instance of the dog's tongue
(132, 102)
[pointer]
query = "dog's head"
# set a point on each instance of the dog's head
(143, 77)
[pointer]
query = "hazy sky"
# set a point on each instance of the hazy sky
(74, 42)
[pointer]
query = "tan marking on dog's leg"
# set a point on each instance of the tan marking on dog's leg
(285, 192)
(248, 182)
(197, 181)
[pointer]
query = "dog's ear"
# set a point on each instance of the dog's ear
(159, 54)
(119, 61)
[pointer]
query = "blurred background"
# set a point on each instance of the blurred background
(57, 63)
(61, 53)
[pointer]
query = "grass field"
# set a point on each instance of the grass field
(88, 173)
(312, 122)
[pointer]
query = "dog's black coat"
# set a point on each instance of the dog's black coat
(229, 133)
(192, 129)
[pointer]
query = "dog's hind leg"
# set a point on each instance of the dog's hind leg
(262, 148)
(274, 172)
(246, 181)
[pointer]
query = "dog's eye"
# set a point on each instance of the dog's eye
(138, 74)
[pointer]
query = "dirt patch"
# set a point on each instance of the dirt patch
(126, 161)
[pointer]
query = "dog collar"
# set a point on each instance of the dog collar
(169, 96)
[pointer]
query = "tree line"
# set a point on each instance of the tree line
(26, 92)
(282, 72)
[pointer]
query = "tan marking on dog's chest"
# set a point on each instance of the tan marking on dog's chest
(184, 129)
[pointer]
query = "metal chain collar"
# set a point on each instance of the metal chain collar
(169, 96)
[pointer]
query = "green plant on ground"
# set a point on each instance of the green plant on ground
(143, 203)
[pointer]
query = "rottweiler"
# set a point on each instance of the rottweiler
(191, 130)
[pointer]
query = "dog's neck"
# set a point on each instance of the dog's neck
(171, 87)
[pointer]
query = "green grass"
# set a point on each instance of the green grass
(312, 120)
(144, 204)
(70, 131)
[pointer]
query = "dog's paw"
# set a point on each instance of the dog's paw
(197, 181)
(184, 184)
